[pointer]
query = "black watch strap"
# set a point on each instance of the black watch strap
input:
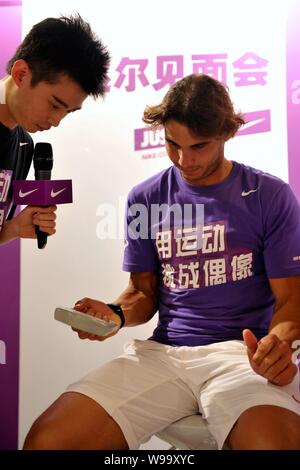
(118, 310)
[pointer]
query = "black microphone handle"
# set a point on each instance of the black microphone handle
(43, 164)
(40, 235)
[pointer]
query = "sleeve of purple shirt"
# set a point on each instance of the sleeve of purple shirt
(282, 235)
(139, 251)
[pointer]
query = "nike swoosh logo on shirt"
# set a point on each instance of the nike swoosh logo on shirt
(54, 194)
(246, 193)
(21, 194)
(23, 143)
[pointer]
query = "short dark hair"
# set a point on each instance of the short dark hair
(199, 102)
(65, 45)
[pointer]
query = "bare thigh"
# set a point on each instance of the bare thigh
(75, 421)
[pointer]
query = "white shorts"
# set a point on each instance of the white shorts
(152, 385)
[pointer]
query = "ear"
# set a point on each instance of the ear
(20, 72)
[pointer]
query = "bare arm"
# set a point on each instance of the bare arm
(138, 302)
(286, 318)
(271, 357)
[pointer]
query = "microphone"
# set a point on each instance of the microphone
(42, 191)
(43, 164)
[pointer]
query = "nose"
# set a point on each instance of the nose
(185, 158)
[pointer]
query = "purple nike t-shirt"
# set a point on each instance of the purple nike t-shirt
(213, 288)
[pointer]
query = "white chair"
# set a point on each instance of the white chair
(189, 433)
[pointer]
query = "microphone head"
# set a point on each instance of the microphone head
(43, 157)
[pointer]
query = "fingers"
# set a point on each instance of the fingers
(40, 217)
(95, 308)
(250, 341)
(280, 351)
(45, 219)
(272, 358)
(286, 376)
(47, 227)
(277, 369)
(91, 337)
(40, 209)
(82, 305)
(264, 347)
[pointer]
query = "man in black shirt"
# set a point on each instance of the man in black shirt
(59, 63)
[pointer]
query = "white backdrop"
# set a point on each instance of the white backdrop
(95, 147)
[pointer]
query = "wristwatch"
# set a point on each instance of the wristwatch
(118, 310)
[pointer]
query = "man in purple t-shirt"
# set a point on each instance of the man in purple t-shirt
(214, 246)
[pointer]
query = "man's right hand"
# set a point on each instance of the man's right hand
(99, 309)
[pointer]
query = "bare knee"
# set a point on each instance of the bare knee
(41, 437)
(266, 427)
(75, 422)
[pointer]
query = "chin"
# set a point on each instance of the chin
(28, 127)
(192, 178)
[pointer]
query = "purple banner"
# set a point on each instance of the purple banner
(256, 121)
(293, 95)
(10, 38)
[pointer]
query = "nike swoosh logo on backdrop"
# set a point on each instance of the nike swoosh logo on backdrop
(246, 193)
(21, 194)
(54, 194)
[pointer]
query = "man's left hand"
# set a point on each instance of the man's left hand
(271, 358)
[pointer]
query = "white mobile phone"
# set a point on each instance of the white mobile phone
(84, 322)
